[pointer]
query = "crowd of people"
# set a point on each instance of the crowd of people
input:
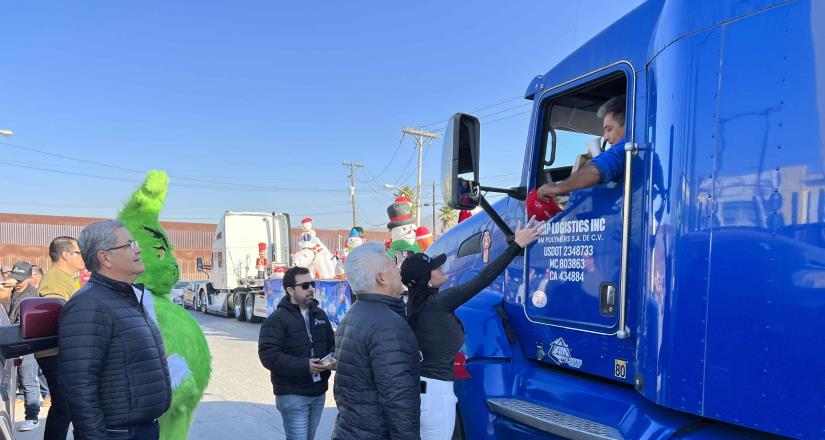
(393, 359)
(110, 357)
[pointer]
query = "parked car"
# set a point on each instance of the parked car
(176, 293)
(189, 295)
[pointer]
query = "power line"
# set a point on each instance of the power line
(397, 149)
(500, 119)
(477, 110)
(143, 172)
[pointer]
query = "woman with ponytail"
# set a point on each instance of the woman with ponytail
(431, 315)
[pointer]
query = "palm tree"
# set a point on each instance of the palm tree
(448, 217)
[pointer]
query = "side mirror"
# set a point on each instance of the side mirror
(200, 264)
(460, 162)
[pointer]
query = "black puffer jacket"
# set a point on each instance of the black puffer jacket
(284, 348)
(111, 360)
(377, 386)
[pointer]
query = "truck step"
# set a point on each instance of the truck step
(551, 421)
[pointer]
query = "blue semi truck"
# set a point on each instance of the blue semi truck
(686, 299)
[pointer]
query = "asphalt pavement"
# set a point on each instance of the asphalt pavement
(238, 403)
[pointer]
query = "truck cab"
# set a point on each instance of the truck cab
(677, 300)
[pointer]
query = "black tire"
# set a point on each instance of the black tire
(249, 308)
(238, 304)
(202, 302)
(195, 302)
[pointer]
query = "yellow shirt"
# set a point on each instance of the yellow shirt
(57, 283)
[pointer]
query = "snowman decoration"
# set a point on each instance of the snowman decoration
(402, 230)
(313, 253)
(354, 240)
(307, 233)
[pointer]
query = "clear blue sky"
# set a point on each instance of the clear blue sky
(254, 105)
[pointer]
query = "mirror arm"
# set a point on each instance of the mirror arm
(498, 220)
(518, 193)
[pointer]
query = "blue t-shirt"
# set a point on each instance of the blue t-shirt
(611, 163)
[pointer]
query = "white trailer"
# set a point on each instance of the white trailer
(234, 288)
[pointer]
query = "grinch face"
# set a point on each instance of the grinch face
(403, 233)
(140, 217)
(354, 242)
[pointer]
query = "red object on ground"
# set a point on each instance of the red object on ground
(537, 207)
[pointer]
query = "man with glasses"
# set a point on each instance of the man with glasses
(112, 362)
(58, 282)
(294, 345)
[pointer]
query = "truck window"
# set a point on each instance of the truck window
(570, 124)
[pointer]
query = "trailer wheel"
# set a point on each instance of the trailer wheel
(238, 305)
(249, 306)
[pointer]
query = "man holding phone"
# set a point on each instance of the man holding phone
(295, 345)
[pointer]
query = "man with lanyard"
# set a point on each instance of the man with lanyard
(293, 345)
(606, 167)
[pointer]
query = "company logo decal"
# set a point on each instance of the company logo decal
(561, 353)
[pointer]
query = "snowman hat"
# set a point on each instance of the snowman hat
(354, 233)
(400, 213)
(306, 220)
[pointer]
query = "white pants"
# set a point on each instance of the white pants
(437, 410)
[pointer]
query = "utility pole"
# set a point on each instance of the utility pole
(433, 231)
(352, 166)
(421, 136)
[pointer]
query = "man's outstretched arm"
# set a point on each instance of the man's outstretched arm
(584, 177)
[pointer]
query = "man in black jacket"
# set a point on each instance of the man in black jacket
(292, 342)
(112, 361)
(377, 386)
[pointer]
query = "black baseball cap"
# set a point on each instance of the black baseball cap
(415, 270)
(21, 271)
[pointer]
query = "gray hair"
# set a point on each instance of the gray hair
(95, 238)
(615, 105)
(363, 264)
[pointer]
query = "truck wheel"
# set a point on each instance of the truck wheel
(202, 302)
(194, 302)
(249, 308)
(238, 305)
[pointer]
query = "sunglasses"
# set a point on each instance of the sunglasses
(305, 286)
(131, 244)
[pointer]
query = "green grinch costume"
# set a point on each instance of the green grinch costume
(186, 349)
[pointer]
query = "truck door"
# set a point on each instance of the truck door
(280, 239)
(573, 280)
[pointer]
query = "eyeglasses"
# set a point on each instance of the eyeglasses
(305, 286)
(131, 244)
